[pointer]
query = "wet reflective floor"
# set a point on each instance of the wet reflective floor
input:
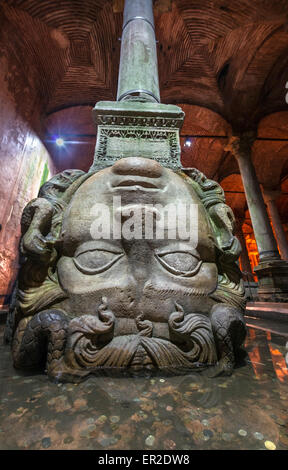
(246, 411)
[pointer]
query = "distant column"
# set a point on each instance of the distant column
(272, 271)
(270, 199)
(244, 257)
(241, 147)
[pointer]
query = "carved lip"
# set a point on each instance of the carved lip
(142, 184)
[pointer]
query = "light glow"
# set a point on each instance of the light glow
(60, 142)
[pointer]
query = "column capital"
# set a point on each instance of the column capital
(240, 145)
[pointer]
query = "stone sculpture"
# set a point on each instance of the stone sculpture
(98, 292)
(91, 305)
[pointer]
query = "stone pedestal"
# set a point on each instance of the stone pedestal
(133, 129)
(272, 281)
(272, 272)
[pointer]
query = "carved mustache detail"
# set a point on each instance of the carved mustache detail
(86, 344)
(193, 331)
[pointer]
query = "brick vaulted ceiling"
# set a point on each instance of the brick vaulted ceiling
(227, 59)
(70, 45)
(229, 56)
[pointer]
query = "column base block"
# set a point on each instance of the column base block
(272, 280)
(134, 129)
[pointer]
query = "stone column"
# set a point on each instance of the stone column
(241, 149)
(137, 124)
(270, 199)
(138, 72)
(272, 272)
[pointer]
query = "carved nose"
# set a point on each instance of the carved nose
(138, 167)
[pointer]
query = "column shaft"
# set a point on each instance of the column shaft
(267, 246)
(278, 228)
(272, 272)
(138, 72)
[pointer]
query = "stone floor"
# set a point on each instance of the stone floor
(245, 411)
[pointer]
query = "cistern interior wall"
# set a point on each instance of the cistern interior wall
(224, 63)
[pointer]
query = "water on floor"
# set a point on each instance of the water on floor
(246, 411)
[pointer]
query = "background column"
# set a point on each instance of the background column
(244, 257)
(272, 272)
(241, 146)
(270, 199)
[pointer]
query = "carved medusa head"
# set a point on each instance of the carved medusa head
(91, 304)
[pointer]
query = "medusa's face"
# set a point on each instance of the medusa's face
(109, 249)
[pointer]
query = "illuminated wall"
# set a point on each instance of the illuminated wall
(24, 165)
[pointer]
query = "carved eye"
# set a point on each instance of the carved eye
(180, 263)
(96, 261)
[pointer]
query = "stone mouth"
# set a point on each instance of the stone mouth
(137, 184)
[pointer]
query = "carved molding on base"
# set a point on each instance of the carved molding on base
(133, 129)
